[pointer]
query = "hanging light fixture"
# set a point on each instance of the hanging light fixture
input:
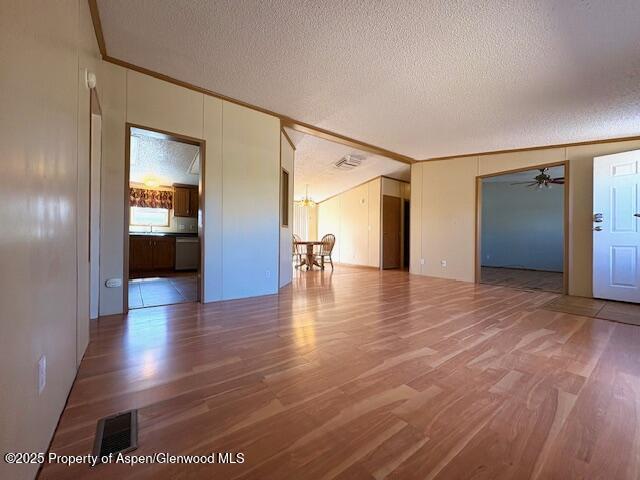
(306, 201)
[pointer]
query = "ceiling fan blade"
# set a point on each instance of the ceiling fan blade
(559, 180)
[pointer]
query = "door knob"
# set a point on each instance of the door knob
(597, 217)
(598, 228)
(636, 214)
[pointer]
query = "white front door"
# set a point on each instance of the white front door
(616, 227)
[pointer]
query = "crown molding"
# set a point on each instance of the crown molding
(539, 147)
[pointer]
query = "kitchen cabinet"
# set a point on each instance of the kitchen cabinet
(193, 202)
(185, 201)
(164, 253)
(151, 254)
(140, 256)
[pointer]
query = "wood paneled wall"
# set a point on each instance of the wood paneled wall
(443, 209)
(241, 178)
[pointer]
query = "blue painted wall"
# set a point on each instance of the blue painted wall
(522, 226)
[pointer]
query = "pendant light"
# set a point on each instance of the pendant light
(306, 201)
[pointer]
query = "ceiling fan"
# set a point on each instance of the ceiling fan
(542, 180)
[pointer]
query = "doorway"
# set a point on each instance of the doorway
(616, 229)
(391, 231)
(521, 228)
(163, 218)
(406, 260)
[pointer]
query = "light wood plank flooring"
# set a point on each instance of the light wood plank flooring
(363, 374)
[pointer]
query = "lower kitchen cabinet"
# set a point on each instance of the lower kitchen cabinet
(149, 254)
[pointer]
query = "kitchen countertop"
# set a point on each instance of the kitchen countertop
(162, 234)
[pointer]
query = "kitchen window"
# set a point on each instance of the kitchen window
(149, 217)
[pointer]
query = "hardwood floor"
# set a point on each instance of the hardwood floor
(365, 374)
(524, 279)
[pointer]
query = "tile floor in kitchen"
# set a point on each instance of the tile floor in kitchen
(151, 292)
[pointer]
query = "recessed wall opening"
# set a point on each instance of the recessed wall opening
(521, 234)
(351, 208)
(163, 217)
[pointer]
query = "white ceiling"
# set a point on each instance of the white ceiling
(420, 78)
(163, 161)
(314, 166)
(528, 175)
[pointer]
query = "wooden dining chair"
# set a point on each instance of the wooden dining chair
(326, 247)
(296, 251)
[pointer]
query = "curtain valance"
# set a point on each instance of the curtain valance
(141, 197)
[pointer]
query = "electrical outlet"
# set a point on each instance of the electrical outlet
(422, 261)
(267, 273)
(42, 373)
(443, 263)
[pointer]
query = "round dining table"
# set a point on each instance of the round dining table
(309, 259)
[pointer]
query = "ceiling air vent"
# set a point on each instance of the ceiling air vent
(349, 162)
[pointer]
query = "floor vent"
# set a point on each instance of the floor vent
(116, 434)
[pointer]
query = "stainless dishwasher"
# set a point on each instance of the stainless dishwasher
(187, 253)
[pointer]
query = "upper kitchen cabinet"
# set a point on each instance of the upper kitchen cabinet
(185, 201)
(194, 195)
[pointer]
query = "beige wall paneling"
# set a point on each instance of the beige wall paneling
(88, 60)
(449, 183)
(158, 104)
(313, 223)
(354, 216)
(287, 162)
(251, 199)
(212, 247)
(40, 127)
(448, 217)
(328, 213)
(415, 232)
(233, 193)
(147, 102)
(374, 226)
(114, 85)
(502, 162)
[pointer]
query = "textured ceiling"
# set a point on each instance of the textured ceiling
(419, 78)
(314, 166)
(529, 175)
(162, 161)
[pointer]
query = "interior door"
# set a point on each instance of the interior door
(616, 226)
(391, 227)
